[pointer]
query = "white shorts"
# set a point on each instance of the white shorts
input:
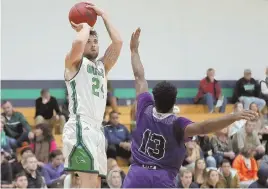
(84, 147)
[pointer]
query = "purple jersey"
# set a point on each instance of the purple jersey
(154, 143)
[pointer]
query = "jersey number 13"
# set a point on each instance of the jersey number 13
(153, 145)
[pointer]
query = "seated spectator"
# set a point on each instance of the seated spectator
(262, 181)
(6, 170)
(248, 137)
(200, 172)
(34, 177)
(247, 91)
(133, 116)
(21, 181)
(222, 147)
(264, 161)
(54, 171)
(193, 153)
(112, 164)
(42, 143)
(65, 107)
(6, 142)
(212, 180)
(17, 166)
(114, 179)
(236, 126)
(186, 180)
(111, 100)
(118, 138)
(228, 176)
(264, 87)
(44, 110)
(16, 127)
(246, 166)
(209, 92)
(206, 147)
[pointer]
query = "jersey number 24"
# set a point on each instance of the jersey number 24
(153, 145)
(96, 87)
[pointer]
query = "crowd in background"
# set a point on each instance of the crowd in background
(234, 157)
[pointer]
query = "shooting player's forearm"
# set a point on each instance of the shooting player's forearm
(137, 66)
(113, 33)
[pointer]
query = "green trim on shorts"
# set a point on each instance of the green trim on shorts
(102, 176)
(84, 171)
(80, 158)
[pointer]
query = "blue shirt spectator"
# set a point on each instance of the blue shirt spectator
(115, 132)
(53, 171)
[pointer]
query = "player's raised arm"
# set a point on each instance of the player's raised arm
(141, 84)
(217, 124)
(113, 51)
(75, 55)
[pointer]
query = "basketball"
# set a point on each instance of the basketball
(79, 13)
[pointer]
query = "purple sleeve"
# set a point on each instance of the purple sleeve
(143, 100)
(179, 127)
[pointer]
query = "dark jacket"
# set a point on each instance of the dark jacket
(205, 86)
(37, 182)
(16, 125)
(46, 110)
(247, 88)
(205, 144)
(192, 185)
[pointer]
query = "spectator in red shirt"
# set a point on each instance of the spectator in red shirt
(209, 92)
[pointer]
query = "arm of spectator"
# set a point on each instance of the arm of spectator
(56, 106)
(257, 89)
(37, 108)
(24, 123)
(218, 90)
(128, 136)
(264, 88)
(53, 146)
(47, 177)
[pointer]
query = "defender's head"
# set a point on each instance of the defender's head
(164, 96)
(92, 47)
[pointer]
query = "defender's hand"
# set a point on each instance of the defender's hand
(134, 42)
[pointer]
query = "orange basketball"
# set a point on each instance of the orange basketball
(79, 13)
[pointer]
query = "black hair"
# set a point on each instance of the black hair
(21, 174)
(26, 149)
(93, 33)
(225, 161)
(164, 96)
(54, 154)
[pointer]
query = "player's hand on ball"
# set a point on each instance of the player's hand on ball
(98, 11)
(135, 41)
(79, 27)
(246, 114)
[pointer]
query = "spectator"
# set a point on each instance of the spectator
(112, 164)
(65, 107)
(118, 138)
(54, 171)
(247, 91)
(209, 92)
(222, 147)
(212, 179)
(228, 176)
(236, 126)
(262, 181)
(264, 87)
(246, 166)
(206, 147)
(16, 127)
(111, 100)
(114, 179)
(260, 127)
(6, 170)
(6, 141)
(42, 143)
(21, 181)
(186, 180)
(34, 177)
(17, 166)
(193, 153)
(200, 172)
(44, 110)
(248, 137)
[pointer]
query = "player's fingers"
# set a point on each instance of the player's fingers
(73, 24)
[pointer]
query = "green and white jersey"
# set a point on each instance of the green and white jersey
(87, 91)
